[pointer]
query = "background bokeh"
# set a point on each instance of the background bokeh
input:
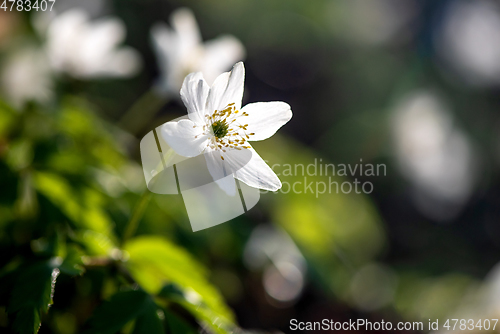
(412, 84)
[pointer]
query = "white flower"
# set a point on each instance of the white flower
(469, 40)
(218, 127)
(26, 77)
(434, 154)
(180, 51)
(86, 49)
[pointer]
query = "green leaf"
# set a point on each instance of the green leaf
(83, 208)
(155, 262)
(149, 320)
(206, 316)
(32, 294)
(95, 243)
(7, 118)
(73, 264)
(176, 325)
(112, 315)
(124, 307)
(8, 276)
(59, 192)
(91, 137)
(27, 320)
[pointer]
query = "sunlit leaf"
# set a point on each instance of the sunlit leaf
(80, 208)
(190, 301)
(155, 261)
(91, 137)
(72, 263)
(96, 243)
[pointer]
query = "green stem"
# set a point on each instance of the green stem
(136, 216)
(142, 111)
(134, 120)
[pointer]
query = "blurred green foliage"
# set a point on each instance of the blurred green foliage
(56, 219)
(70, 183)
(71, 191)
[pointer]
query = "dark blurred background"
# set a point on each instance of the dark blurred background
(411, 84)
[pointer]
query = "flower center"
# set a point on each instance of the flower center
(220, 128)
(227, 130)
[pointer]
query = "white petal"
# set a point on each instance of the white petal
(227, 88)
(87, 49)
(63, 38)
(163, 41)
(265, 118)
(219, 171)
(181, 135)
(121, 63)
(256, 173)
(216, 92)
(104, 35)
(184, 24)
(220, 54)
(194, 94)
(166, 46)
(100, 55)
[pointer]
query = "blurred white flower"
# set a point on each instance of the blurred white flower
(433, 154)
(94, 8)
(86, 49)
(26, 77)
(469, 40)
(180, 51)
(218, 127)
